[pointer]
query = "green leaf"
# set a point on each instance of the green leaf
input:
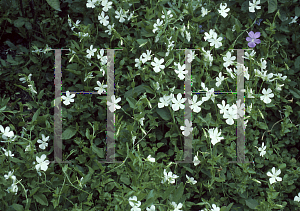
(98, 151)
(36, 114)
(251, 203)
(19, 22)
(297, 11)
(54, 4)
(169, 62)
(65, 168)
(138, 90)
(272, 6)
(142, 42)
(125, 179)
(297, 63)
(295, 92)
(68, 133)
(132, 102)
(28, 25)
(11, 45)
(17, 207)
(41, 94)
(164, 113)
(11, 60)
(41, 198)
(282, 166)
(176, 195)
(71, 68)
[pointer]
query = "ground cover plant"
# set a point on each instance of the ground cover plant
(148, 104)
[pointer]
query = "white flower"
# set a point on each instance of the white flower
(191, 180)
(113, 105)
(195, 105)
(229, 70)
(178, 103)
(177, 207)
(8, 153)
(262, 64)
(214, 135)
(223, 11)
(250, 93)
(32, 89)
(215, 208)
(43, 143)
(169, 14)
(222, 107)
(297, 198)
(101, 87)
(181, 71)
(191, 56)
(134, 202)
(164, 101)
(262, 149)
(23, 80)
(152, 208)
(214, 41)
(188, 129)
(294, 20)
(106, 5)
(209, 95)
(151, 159)
(219, 79)
(169, 177)
(279, 76)
(91, 3)
(90, 52)
(228, 59)
(267, 95)
(247, 56)
(196, 161)
(6, 132)
(120, 15)
(10, 175)
(102, 57)
(13, 188)
(254, 5)
(157, 64)
(138, 62)
(130, 16)
(274, 176)
(278, 87)
(233, 28)
(68, 98)
(42, 163)
(207, 56)
(204, 11)
(146, 56)
(103, 19)
(209, 35)
(158, 23)
(188, 36)
(110, 27)
(266, 77)
(230, 114)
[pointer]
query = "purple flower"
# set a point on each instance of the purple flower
(201, 30)
(252, 39)
(258, 22)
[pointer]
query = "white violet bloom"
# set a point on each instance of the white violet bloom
(188, 129)
(42, 163)
(103, 19)
(266, 95)
(157, 64)
(194, 104)
(101, 87)
(191, 180)
(43, 143)
(68, 98)
(215, 136)
(113, 105)
(254, 5)
(262, 149)
(178, 103)
(274, 175)
(223, 11)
